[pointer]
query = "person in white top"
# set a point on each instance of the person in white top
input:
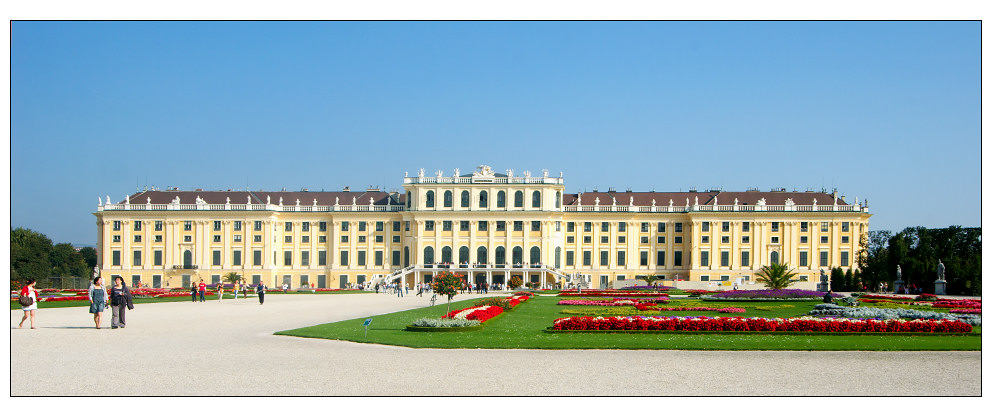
(29, 291)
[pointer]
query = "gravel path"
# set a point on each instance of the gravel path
(186, 348)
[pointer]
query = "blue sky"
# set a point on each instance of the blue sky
(889, 111)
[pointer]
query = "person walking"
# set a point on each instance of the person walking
(29, 291)
(244, 289)
(260, 290)
(203, 291)
(237, 287)
(377, 288)
(98, 300)
(192, 291)
(220, 291)
(399, 290)
(120, 302)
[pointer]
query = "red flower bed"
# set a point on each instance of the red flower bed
(759, 324)
(886, 297)
(67, 298)
(481, 313)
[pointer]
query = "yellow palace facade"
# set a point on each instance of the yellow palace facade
(489, 226)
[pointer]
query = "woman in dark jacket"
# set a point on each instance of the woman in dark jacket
(120, 301)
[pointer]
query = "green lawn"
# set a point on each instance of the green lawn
(523, 328)
(14, 305)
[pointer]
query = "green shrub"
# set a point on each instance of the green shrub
(432, 322)
(493, 301)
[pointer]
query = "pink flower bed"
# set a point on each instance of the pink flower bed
(718, 310)
(967, 311)
(759, 324)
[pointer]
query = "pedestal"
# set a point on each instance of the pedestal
(823, 286)
(898, 286)
(940, 287)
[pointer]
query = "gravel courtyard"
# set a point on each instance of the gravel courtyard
(227, 348)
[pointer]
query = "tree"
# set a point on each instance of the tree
(448, 284)
(67, 262)
(650, 279)
(837, 279)
(775, 276)
(89, 255)
(918, 250)
(516, 281)
(29, 255)
(232, 277)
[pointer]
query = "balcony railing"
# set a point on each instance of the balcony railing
(185, 266)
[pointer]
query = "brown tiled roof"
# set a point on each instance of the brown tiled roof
(705, 198)
(324, 198)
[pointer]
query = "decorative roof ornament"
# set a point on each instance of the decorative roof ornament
(421, 173)
(371, 201)
(579, 203)
(814, 201)
(632, 201)
(228, 201)
(280, 201)
(484, 171)
(761, 202)
(99, 201)
(458, 172)
(315, 202)
(148, 200)
(440, 173)
(249, 200)
(652, 202)
(687, 202)
(614, 200)
(597, 201)
(297, 202)
(174, 200)
(789, 202)
(336, 200)
(509, 173)
(735, 201)
(696, 201)
(108, 198)
(354, 201)
(714, 200)
(527, 174)
(268, 199)
(670, 202)
(200, 200)
(545, 172)
(127, 199)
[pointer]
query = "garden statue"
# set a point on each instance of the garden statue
(899, 272)
(940, 270)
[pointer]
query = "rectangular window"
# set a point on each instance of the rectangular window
(256, 258)
(157, 258)
(745, 239)
(535, 226)
(137, 258)
(361, 258)
(305, 258)
(257, 238)
(396, 239)
(322, 258)
(824, 258)
(824, 227)
(446, 226)
(406, 225)
(378, 239)
(216, 257)
(705, 239)
(117, 238)
(645, 240)
(845, 227)
(621, 258)
(823, 239)
(116, 258)
(622, 227)
(661, 258)
(774, 226)
(287, 239)
(216, 225)
(237, 238)
(661, 239)
(746, 226)
(216, 238)
(570, 227)
(322, 226)
(804, 226)
(483, 226)
(429, 226)
(569, 239)
(518, 226)
(305, 226)
(158, 225)
(845, 239)
(158, 238)
(344, 258)
(724, 239)
(661, 227)
(844, 258)
(344, 226)
(464, 226)
(677, 261)
(725, 227)
(604, 227)
(704, 277)
(678, 227)
(604, 239)
(724, 258)
(569, 258)
(361, 226)
(287, 258)
(137, 238)
(117, 224)
(704, 258)
(803, 239)
(745, 258)
(644, 257)
(586, 258)
(774, 239)
(380, 226)
(678, 239)
(803, 258)
(137, 225)
(586, 239)
(305, 239)
(621, 239)
(378, 258)
(258, 225)
(706, 226)
(396, 258)
(236, 258)
(500, 226)
(587, 227)
(289, 226)
(187, 225)
(361, 239)
(645, 227)
(604, 258)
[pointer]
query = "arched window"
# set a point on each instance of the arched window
(446, 254)
(500, 255)
(428, 255)
(501, 199)
(463, 255)
(187, 259)
(558, 257)
(406, 256)
(483, 199)
(558, 199)
(447, 198)
(481, 255)
(408, 199)
(536, 199)
(465, 199)
(518, 255)
(535, 255)
(773, 257)
(518, 199)
(430, 199)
